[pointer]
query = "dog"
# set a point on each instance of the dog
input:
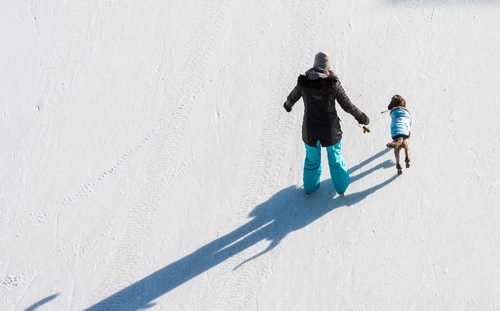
(400, 130)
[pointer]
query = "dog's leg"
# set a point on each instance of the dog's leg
(406, 146)
(398, 165)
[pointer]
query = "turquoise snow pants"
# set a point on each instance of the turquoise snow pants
(312, 168)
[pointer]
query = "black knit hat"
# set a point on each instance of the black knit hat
(321, 60)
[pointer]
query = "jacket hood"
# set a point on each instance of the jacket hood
(316, 73)
(317, 83)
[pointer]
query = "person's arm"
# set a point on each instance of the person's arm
(349, 107)
(292, 98)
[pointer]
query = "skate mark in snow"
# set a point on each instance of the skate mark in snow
(164, 167)
(172, 120)
(167, 130)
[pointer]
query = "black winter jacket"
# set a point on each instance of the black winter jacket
(321, 121)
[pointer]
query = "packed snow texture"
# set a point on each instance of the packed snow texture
(147, 160)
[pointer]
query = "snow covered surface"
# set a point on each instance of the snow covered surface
(146, 159)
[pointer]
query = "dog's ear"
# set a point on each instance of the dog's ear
(392, 105)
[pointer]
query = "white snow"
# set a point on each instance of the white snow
(146, 159)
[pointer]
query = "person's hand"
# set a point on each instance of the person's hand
(287, 108)
(363, 119)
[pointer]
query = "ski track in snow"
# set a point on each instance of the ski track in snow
(163, 158)
(163, 162)
(61, 91)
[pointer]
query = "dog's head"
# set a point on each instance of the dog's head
(397, 101)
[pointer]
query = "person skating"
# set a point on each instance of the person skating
(320, 88)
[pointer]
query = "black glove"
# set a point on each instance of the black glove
(287, 108)
(363, 119)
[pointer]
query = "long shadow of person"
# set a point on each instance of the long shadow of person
(286, 211)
